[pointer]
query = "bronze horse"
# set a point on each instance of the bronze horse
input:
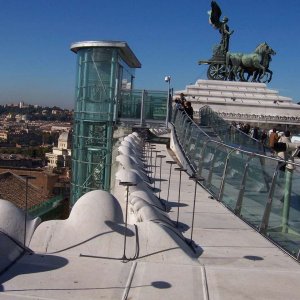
(255, 64)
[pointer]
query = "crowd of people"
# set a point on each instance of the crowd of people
(183, 105)
(255, 132)
(273, 139)
(279, 142)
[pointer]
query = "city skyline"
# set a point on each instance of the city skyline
(168, 38)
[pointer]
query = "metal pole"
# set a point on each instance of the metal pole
(142, 121)
(154, 175)
(171, 162)
(152, 147)
(194, 205)
(26, 206)
(168, 80)
(27, 177)
(196, 179)
(127, 184)
(179, 190)
(125, 231)
(287, 199)
(161, 157)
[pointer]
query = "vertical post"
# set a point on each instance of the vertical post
(171, 162)
(125, 230)
(179, 190)
(196, 179)
(127, 184)
(287, 198)
(154, 175)
(168, 80)
(161, 157)
(142, 120)
(152, 147)
(27, 177)
(26, 207)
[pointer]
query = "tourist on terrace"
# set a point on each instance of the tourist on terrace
(189, 109)
(264, 137)
(285, 138)
(255, 133)
(273, 138)
(182, 99)
(178, 104)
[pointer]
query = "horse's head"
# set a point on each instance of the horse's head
(270, 51)
(264, 48)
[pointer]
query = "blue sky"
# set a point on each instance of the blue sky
(168, 37)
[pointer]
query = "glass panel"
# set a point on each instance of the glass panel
(220, 155)
(254, 186)
(228, 133)
(154, 106)
(284, 222)
(256, 190)
(233, 178)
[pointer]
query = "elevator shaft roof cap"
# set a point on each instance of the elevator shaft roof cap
(126, 53)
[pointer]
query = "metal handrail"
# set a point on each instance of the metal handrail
(269, 182)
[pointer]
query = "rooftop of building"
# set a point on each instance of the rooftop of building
(84, 255)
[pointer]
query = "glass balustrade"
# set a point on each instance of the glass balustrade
(242, 174)
(152, 104)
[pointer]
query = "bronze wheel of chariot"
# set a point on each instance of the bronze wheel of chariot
(216, 72)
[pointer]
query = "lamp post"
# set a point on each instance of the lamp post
(168, 80)
(196, 179)
(154, 176)
(171, 162)
(27, 177)
(152, 148)
(161, 157)
(127, 184)
(179, 190)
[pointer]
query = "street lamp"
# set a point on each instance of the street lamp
(168, 80)
(27, 177)
(161, 157)
(180, 169)
(127, 178)
(195, 178)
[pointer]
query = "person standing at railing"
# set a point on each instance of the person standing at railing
(264, 137)
(287, 154)
(273, 138)
(182, 98)
(178, 104)
(189, 109)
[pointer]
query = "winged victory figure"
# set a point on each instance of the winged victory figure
(214, 19)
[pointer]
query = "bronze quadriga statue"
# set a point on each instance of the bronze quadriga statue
(225, 65)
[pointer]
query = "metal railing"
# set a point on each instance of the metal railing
(254, 186)
(228, 133)
(143, 105)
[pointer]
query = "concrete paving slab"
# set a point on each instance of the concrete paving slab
(167, 281)
(54, 277)
(230, 283)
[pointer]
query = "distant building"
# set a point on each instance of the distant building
(3, 135)
(61, 128)
(61, 155)
(56, 112)
(19, 161)
(10, 117)
(21, 118)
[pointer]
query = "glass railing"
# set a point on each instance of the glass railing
(44, 207)
(228, 133)
(149, 105)
(251, 184)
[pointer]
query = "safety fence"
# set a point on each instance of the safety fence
(262, 190)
